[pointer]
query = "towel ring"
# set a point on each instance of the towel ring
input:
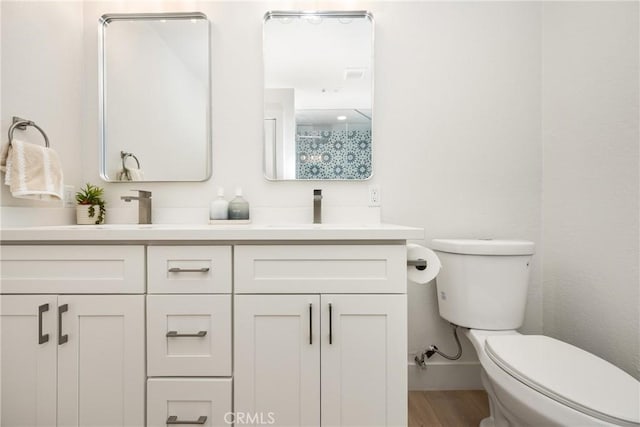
(125, 173)
(22, 124)
(124, 155)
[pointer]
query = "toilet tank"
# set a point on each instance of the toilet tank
(483, 283)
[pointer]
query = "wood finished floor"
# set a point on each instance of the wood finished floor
(459, 408)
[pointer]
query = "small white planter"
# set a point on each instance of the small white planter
(82, 215)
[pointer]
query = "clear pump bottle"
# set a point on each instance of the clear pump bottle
(219, 208)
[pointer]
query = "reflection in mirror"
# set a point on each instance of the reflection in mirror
(318, 97)
(154, 97)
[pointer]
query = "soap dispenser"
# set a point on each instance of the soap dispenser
(219, 208)
(238, 207)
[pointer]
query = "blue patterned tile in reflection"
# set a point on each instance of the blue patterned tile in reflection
(333, 154)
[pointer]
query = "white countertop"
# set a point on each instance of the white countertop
(203, 232)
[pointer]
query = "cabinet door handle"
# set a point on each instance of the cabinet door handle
(175, 334)
(174, 420)
(42, 338)
(62, 338)
(188, 270)
(330, 324)
(310, 325)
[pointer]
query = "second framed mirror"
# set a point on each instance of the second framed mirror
(318, 95)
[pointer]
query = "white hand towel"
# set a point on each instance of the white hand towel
(32, 171)
(136, 174)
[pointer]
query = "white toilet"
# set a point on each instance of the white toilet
(531, 380)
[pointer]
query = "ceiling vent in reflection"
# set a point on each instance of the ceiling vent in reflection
(354, 73)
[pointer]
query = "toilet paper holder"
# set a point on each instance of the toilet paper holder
(419, 264)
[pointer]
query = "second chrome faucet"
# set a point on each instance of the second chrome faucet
(317, 206)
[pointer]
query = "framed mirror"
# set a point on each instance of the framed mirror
(154, 77)
(318, 95)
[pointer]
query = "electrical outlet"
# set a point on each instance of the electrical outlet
(374, 195)
(69, 196)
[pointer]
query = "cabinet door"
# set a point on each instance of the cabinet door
(101, 376)
(364, 360)
(277, 359)
(205, 401)
(28, 351)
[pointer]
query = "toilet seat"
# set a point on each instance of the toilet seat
(568, 375)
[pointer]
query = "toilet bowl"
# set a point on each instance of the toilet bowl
(531, 380)
(539, 381)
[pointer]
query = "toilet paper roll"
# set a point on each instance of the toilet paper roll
(433, 264)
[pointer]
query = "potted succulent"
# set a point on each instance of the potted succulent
(90, 208)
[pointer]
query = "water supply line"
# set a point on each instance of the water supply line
(432, 349)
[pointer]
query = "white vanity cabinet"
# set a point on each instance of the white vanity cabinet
(202, 325)
(314, 357)
(72, 360)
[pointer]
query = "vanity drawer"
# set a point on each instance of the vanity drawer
(72, 269)
(188, 399)
(320, 269)
(189, 269)
(206, 352)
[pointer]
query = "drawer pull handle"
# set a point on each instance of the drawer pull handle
(175, 334)
(62, 338)
(42, 338)
(188, 270)
(174, 420)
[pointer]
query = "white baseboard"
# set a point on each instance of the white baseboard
(445, 376)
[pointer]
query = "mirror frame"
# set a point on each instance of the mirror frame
(331, 14)
(103, 21)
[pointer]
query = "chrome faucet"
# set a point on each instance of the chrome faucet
(144, 205)
(317, 206)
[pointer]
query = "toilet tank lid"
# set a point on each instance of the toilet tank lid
(569, 375)
(484, 246)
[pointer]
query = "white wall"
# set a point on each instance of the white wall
(457, 122)
(42, 80)
(591, 178)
